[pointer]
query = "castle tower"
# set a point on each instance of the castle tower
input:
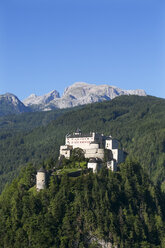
(41, 179)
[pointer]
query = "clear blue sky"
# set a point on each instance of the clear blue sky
(50, 44)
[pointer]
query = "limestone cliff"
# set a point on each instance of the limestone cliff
(77, 94)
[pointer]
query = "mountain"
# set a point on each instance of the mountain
(122, 209)
(42, 101)
(108, 210)
(137, 122)
(75, 95)
(10, 104)
(78, 94)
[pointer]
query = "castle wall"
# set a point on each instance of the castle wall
(115, 154)
(65, 151)
(94, 153)
(93, 145)
(93, 166)
(111, 144)
(112, 165)
(84, 142)
(118, 155)
(91, 150)
(79, 141)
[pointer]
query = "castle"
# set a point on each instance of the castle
(98, 148)
(95, 147)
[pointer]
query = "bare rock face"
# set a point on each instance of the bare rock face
(41, 100)
(83, 93)
(10, 104)
(79, 93)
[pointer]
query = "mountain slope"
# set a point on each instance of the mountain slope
(78, 94)
(10, 104)
(137, 122)
(123, 209)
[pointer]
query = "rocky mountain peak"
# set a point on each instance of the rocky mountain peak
(78, 94)
(10, 98)
(41, 100)
(10, 104)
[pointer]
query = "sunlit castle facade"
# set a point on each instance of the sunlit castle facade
(94, 145)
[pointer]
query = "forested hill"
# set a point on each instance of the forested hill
(91, 211)
(138, 123)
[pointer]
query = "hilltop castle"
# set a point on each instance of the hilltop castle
(96, 147)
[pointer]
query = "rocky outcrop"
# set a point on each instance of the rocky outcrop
(78, 94)
(93, 239)
(42, 100)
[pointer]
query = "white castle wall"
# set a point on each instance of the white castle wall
(111, 144)
(93, 166)
(115, 154)
(65, 151)
(118, 155)
(112, 165)
(94, 153)
(81, 142)
(93, 145)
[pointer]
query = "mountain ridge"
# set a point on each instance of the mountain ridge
(137, 122)
(79, 93)
(10, 104)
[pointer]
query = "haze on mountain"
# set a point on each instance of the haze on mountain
(79, 93)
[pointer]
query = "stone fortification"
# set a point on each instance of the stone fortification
(94, 146)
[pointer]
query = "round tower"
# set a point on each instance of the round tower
(41, 179)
